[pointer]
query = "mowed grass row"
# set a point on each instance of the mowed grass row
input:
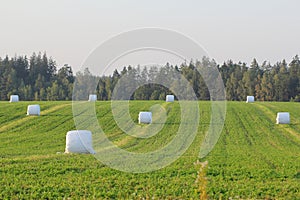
(31, 168)
(254, 157)
(30, 135)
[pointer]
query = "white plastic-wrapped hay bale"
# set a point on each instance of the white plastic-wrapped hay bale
(170, 98)
(92, 97)
(250, 99)
(283, 118)
(14, 98)
(79, 141)
(33, 110)
(145, 118)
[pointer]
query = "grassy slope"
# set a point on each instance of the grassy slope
(254, 158)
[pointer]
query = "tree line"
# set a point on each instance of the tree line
(37, 78)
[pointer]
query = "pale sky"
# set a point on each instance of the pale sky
(69, 30)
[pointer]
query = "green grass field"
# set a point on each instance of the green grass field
(253, 159)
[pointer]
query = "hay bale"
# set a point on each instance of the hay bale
(92, 97)
(170, 98)
(145, 118)
(250, 99)
(33, 110)
(283, 118)
(14, 98)
(79, 141)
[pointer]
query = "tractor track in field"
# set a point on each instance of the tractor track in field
(250, 140)
(58, 124)
(241, 123)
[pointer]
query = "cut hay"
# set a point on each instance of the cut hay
(33, 110)
(79, 141)
(283, 118)
(145, 118)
